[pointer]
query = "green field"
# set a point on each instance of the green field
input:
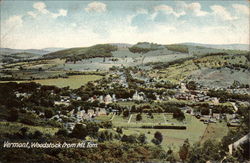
(12, 127)
(215, 131)
(174, 138)
(171, 137)
(179, 72)
(74, 81)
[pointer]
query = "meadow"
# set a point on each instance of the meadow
(172, 138)
(13, 127)
(74, 81)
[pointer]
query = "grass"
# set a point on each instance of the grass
(74, 81)
(179, 72)
(174, 138)
(215, 131)
(13, 127)
(171, 138)
(104, 117)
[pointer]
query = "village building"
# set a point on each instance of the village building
(65, 103)
(101, 99)
(101, 111)
(138, 96)
(108, 99)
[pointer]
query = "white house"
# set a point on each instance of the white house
(108, 99)
(137, 97)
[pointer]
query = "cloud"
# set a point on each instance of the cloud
(241, 8)
(96, 7)
(31, 13)
(222, 12)
(41, 7)
(141, 11)
(61, 12)
(196, 9)
(168, 10)
(14, 21)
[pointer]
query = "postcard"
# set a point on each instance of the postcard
(124, 81)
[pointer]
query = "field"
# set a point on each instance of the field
(12, 127)
(74, 81)
(171, 137)
(215, 131)
(205, 68)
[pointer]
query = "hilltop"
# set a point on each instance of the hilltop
(100, 50)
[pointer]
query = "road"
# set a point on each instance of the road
(130, 118)
(235, 107)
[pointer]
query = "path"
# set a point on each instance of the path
(203, 136)
(235, 107)
(239, 142)
(164, 118)
(130, 118)
(112, 117)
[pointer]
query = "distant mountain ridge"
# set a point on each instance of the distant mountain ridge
(221, 46)
(8, 51)
(53, 49)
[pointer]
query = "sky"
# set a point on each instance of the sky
(41, 24)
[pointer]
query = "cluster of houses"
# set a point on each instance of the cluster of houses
(232, 119)
(107, 99)
(78, 115)
(197, 96)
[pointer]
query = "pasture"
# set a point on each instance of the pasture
(172, 138)
(74, 81)
(13, 127)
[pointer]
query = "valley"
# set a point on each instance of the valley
(149, 96)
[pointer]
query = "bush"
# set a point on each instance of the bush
(79, 131)
(62, 132)
(138, 117)
(129, 139)
(158, 136)
(13, 115)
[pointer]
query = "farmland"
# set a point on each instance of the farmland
(171, 137)
(74, 81)
(148, 101)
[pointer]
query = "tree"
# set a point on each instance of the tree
(142, 138)
(92, 129)
(48, 113)
(157, 138)
(79, 131)
(106, 124)
(62, 132)
(125, 113)
(191, 85)
(24, 131)
(138, 117)
(37, 135)
(13, 115)
(209, 151)
(183, 152)
(178, 114)
(129, 139)
(119, 130)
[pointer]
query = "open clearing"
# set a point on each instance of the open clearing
(74, 81)
(172, 138)
(215, 131)
(12, 127)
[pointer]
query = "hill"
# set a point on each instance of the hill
(8, 51)
(222, 46)
(144, 47)
(52, 49)
(23, 55)
(100, 50)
